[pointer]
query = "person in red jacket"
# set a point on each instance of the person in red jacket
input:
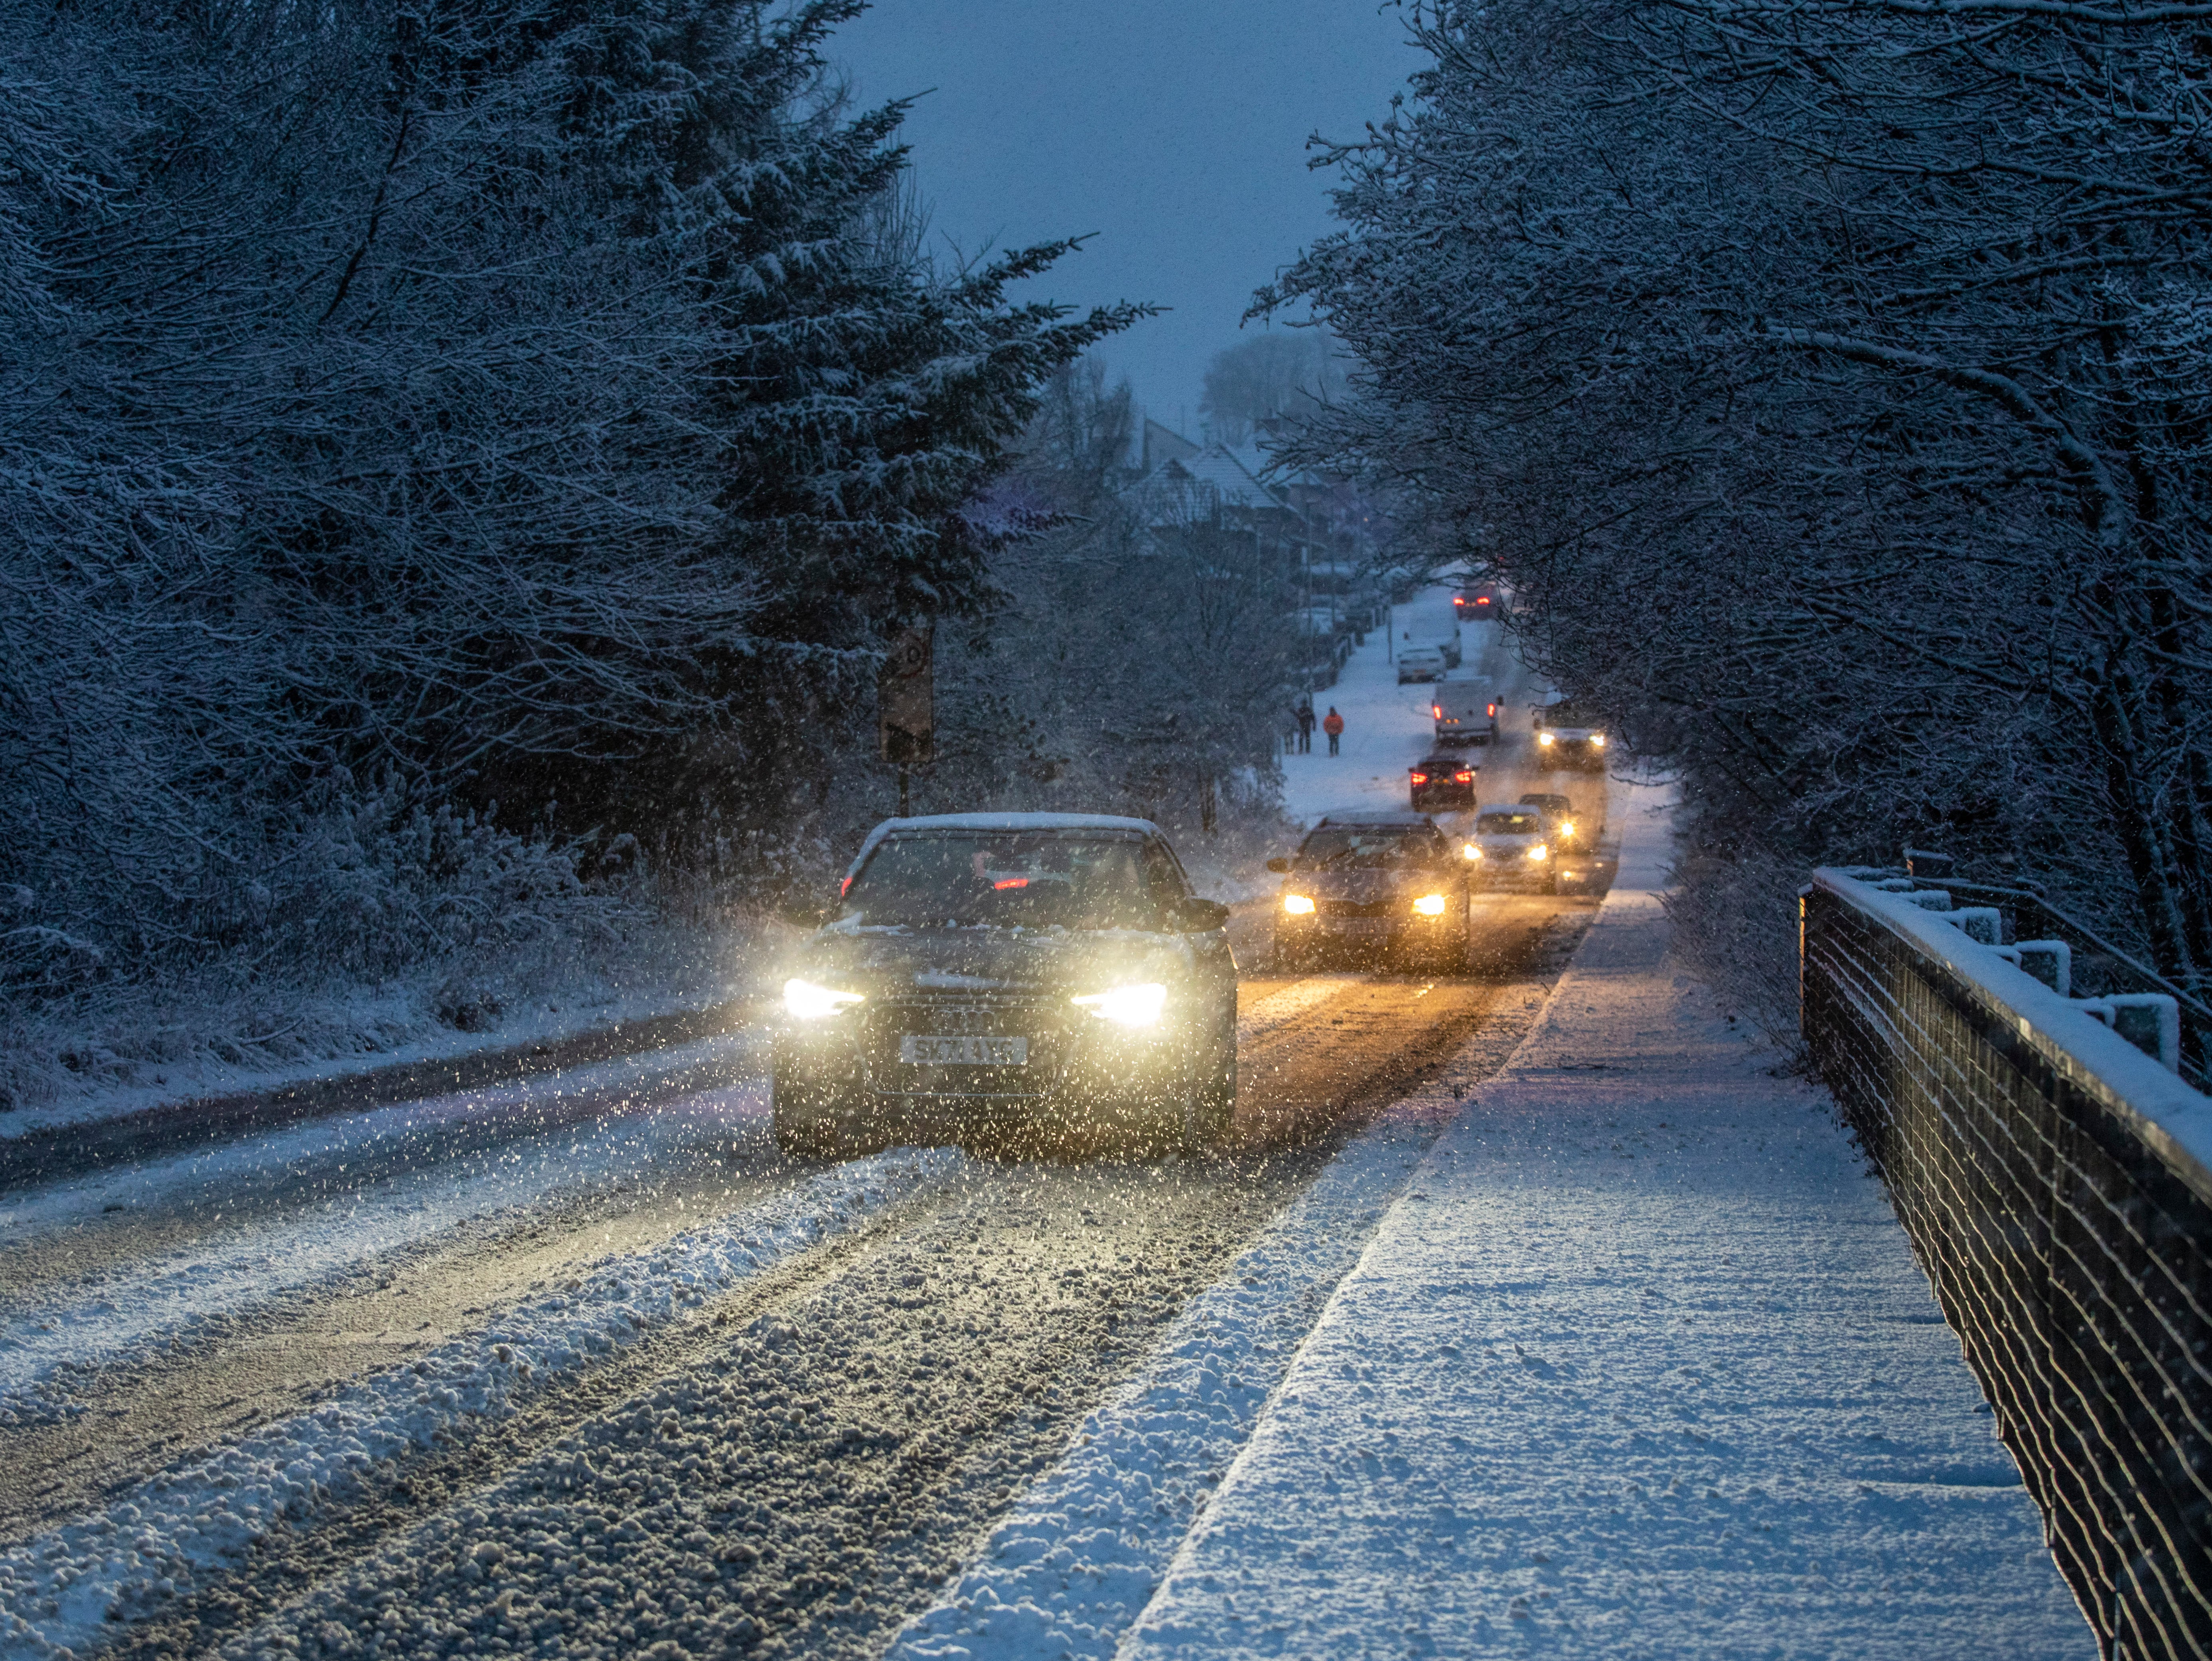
(1333, 724)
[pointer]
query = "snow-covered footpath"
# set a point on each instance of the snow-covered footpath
(1639, 1365)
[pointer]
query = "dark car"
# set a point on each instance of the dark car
(1570, 733)
(1373, 886)
(1442, 782)
(1017, 977)
(1475, 604)
(1572, 832)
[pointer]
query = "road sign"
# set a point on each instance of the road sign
(905, 716)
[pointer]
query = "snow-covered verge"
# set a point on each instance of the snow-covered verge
(1639, 1365)
(146, 1051)
(123, 1308)
(1072, 1568)
(58, 1589)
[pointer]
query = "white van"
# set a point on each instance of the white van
(1465, 711)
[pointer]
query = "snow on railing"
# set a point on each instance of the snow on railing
(2054, 1171)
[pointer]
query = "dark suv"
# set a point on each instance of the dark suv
(1373, 886)
(1008, 977)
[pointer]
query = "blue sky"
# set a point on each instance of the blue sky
(1174, 130)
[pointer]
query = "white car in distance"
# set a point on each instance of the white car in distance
(1421, 663)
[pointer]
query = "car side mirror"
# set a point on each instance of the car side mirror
(1197, 917)
(1279, 864)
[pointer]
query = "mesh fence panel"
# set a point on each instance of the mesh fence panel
(2069, 1256)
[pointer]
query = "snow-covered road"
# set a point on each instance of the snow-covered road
(586, 1365)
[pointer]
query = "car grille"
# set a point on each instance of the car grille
(1360, 908)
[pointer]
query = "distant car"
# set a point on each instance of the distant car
(1421, 663)
(1464, 711)
(1572, 832)
(986, 975)
(1511, 847)
(1569, 734)
(1441, 783)
(1373, 886)
(1475, 604)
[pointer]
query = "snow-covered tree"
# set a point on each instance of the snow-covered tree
(1819, 379)
(520, 400)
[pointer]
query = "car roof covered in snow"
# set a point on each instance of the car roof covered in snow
(1105, 822)
(1375, 816)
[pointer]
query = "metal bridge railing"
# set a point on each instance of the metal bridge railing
(2050, 1179)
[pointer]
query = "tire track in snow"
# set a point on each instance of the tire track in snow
(119, 1314)
(67, 1588)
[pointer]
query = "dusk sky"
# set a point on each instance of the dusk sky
(1174, 131)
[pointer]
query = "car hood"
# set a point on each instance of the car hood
(889, 962)
(1364, 886)
(1492, 843)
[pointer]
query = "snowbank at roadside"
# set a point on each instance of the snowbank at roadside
(1639, 1365)
(122, 1070)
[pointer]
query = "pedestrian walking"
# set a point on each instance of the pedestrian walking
(1305, 716)
(1333, 724)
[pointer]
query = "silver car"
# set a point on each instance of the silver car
(1512, 848)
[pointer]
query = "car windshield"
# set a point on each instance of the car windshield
(1570, 715)
(1013, 879)
(1508, 823)
(1372, 846)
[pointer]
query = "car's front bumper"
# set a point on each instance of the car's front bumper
(1370, 932)
(1078, 1069)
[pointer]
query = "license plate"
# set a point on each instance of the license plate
(927, 1051)
(1359, 925)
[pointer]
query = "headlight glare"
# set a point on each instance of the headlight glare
(808, 1002)
(1470, 850)
(1597, 741)
(1298, 905)
(1539, 851)
(1430, 905)
(1546, 739)
(1127, 1006)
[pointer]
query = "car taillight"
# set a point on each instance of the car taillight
(1420, 778)
(1492, 710)
(1012, 882)
(1462, 778)
(1435, 712)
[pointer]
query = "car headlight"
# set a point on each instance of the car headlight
(1298, 905)
(1126, 1006)
(809, 1002)
(1597, 741)
(1470, 850)
(1566, 827)
(1430, 905)
(1546, 739)
(1539, 852)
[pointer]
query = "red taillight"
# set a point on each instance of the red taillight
(1493, 711)
(1420, 778)
(1482, 602)
(1463, 778)
(1435, 712)
(844, 888)
(1012, 882)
